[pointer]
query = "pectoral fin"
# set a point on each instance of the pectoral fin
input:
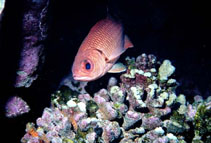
(117, 68)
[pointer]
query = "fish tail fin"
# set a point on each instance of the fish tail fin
(128, 43)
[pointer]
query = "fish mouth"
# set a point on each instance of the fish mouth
(83, 78)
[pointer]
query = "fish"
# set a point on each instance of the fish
(100, 50)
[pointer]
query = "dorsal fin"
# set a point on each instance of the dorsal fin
(128, 43)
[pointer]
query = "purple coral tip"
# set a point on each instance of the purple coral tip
(16, 106)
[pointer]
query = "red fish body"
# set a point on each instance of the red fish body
(100, 50)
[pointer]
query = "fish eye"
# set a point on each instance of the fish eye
(88, 66)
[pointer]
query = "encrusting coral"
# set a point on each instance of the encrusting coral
(143, 107)
(34, 33)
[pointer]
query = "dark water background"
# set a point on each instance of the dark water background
(176, 30)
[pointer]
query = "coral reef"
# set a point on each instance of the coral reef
(202, 120)
(34, 33)
(143, 107)
(16, 106)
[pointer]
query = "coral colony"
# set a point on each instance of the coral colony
(142, 108)
(2, 3)
(34, 33)
(16, 106)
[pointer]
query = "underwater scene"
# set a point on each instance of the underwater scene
(107, 71)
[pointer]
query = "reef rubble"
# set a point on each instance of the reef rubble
(143, 108)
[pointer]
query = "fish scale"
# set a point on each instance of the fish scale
(106, 37)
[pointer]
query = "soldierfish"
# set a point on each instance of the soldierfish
(100, 50)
